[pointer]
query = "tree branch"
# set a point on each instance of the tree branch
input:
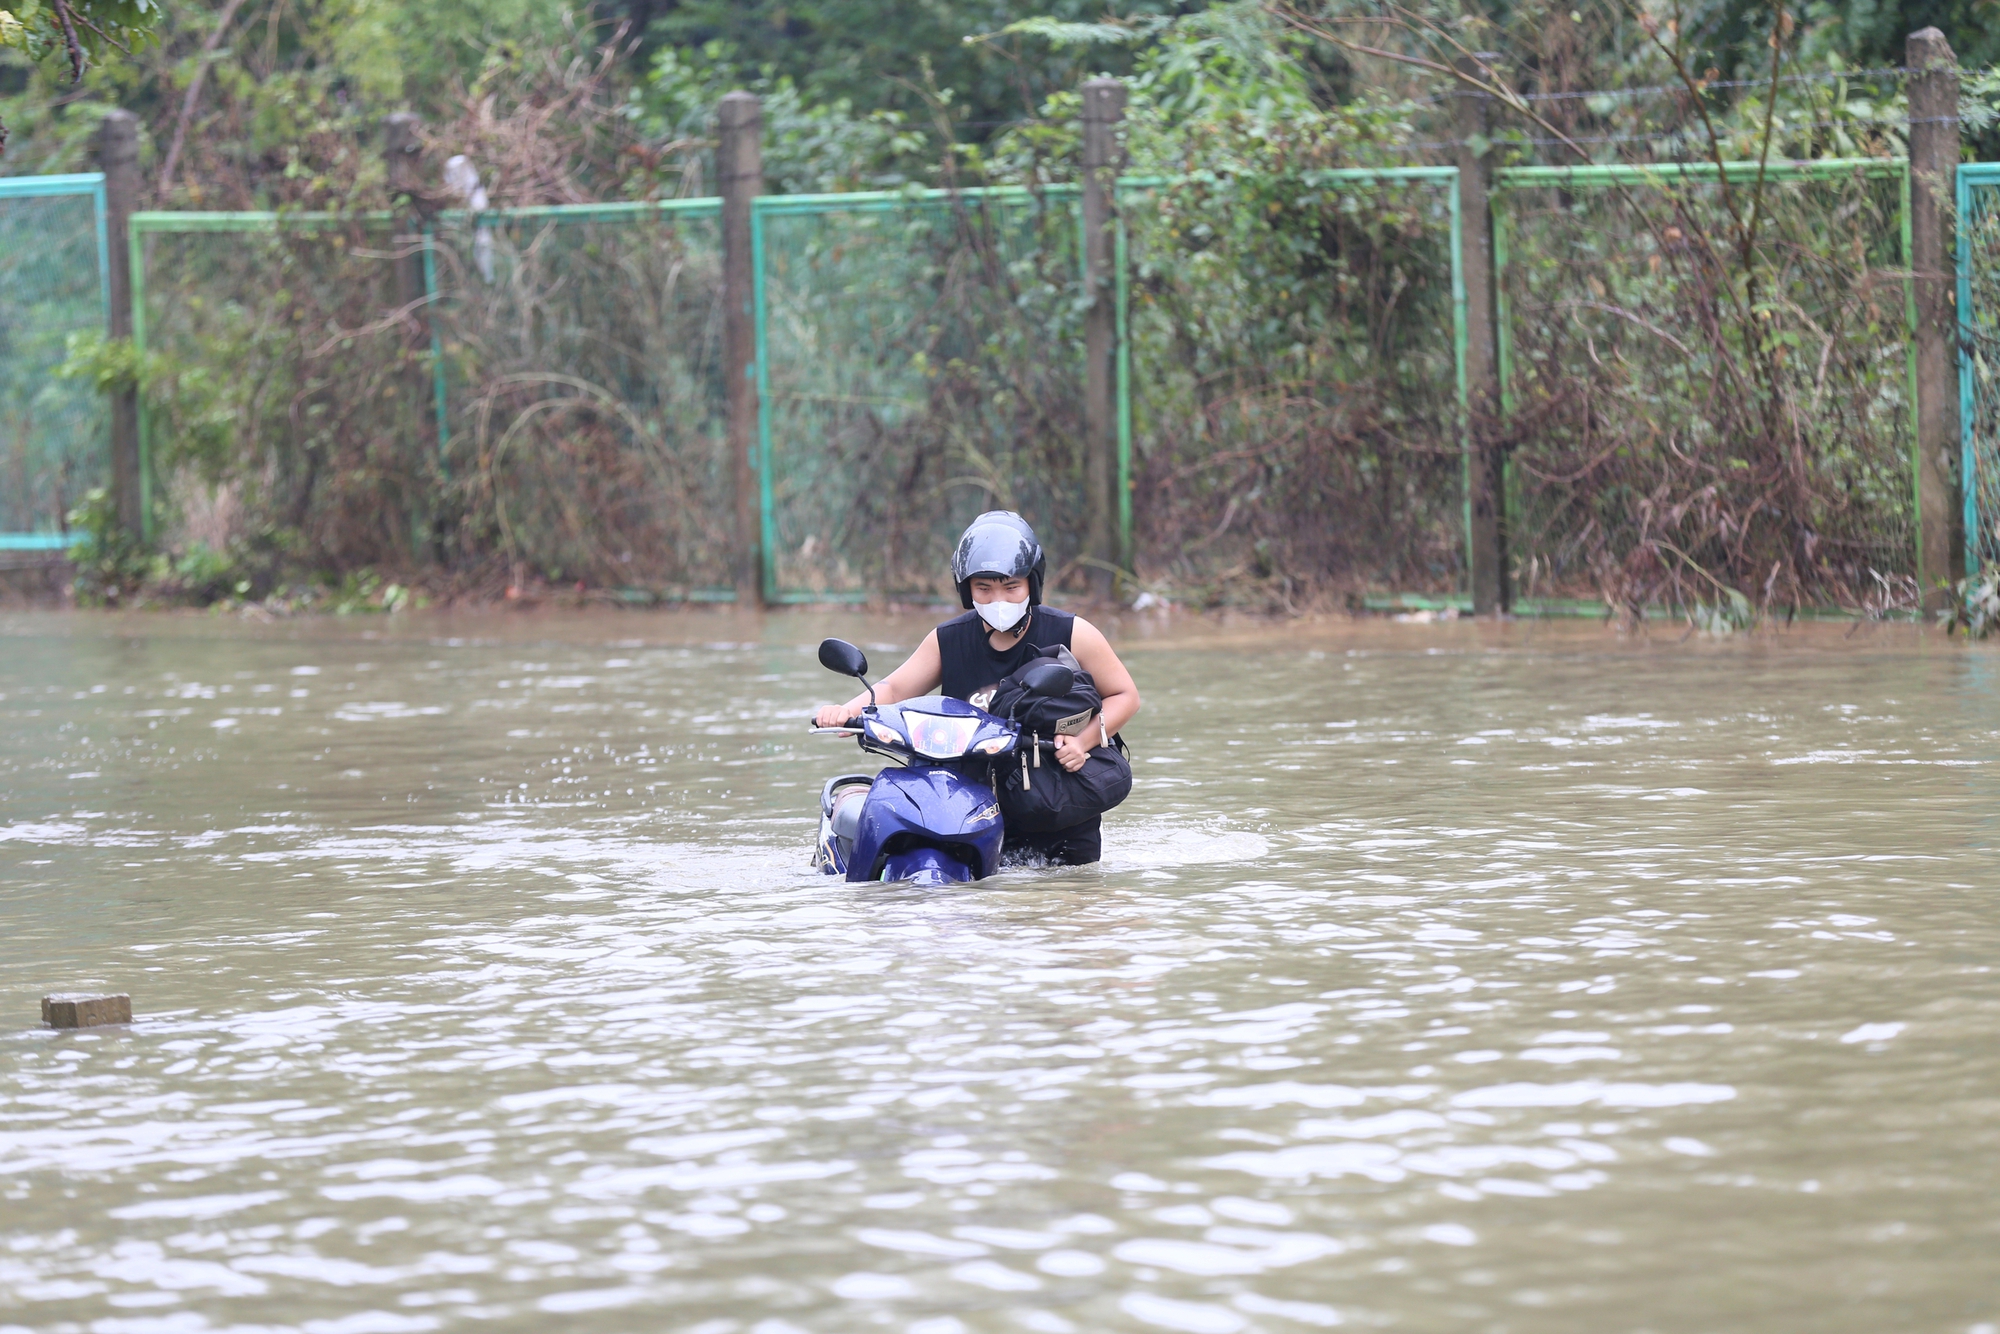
(84, 19)
(71, 46)
(193, 95)
(1779, 21)
(1493, 87)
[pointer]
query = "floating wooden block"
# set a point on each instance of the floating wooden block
(76, 1009)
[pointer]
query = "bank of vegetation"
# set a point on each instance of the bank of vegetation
(1707, 400)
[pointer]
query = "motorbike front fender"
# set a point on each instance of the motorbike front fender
(932, 806)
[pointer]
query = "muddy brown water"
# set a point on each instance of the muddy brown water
(1445, 977)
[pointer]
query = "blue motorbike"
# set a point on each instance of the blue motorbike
(927, 822)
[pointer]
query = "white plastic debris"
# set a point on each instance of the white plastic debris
(462, 179)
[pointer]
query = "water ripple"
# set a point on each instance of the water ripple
(482, 983)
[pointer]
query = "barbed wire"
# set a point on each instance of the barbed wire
(1715, 83)
(1832, 76)
(1687, 133)
(1584, 94)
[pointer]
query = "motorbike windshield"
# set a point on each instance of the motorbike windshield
(939, 737)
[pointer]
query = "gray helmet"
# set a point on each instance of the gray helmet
(1000, 545)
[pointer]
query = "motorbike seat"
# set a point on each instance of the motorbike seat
(847, 803)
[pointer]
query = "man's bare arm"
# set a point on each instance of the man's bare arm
(921, 674)
(1114, 683)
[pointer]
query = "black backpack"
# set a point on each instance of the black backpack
(1037, 795)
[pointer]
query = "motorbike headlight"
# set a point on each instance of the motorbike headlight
(939, 737)
(994, 745)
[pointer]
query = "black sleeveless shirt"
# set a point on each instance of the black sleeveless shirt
(972, 668)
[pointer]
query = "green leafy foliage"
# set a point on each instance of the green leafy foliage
(892, 54)
(364, 592)
(75, 30)
(107, 365)
(1973, 606)
(1059, 33)
(74, 34)
(1870, 33)
(1293, 427)
(110, 562)
(1727, 614)
(809, 146)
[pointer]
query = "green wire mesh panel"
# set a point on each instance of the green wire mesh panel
(1683, 424)
(587, 418)
(1979, 358)
(290, 407)
(1294, 386)
(923, 362)
(54, 433)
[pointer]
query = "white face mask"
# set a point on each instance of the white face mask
(1002, 615)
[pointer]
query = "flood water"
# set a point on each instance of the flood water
(1452, 977)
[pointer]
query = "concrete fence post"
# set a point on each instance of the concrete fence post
(118, 157)
(1934, 149)
(740, 166)
(403, 156)
(1485, 467)
(1103, 157)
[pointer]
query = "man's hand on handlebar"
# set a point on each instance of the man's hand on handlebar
(836, 715)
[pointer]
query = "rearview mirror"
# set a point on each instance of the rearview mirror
(837, 655)
(1049, 680)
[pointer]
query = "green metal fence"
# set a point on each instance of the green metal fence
(1978, 198)
(919, 360)
(919, 357)
(552, 389)
(1294, 409)
(282, 382)
(54, 432)
(1627, 376)
(579, 388)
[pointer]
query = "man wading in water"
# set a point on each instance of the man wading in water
(998, 568)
